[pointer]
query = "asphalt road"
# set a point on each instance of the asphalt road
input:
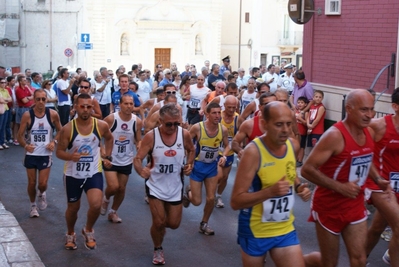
(129, 243)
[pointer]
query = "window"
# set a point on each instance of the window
(333, 7)
(263, 59)
(286, 32)
(246, 17)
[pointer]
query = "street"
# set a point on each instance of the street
(129, 243)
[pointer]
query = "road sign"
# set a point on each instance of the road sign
(85, 46)
(85, 37)
(68, 52)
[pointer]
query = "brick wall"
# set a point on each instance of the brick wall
(349, 50)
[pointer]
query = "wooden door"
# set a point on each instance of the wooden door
(162, 56)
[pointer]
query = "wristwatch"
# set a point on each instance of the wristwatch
(108, 158)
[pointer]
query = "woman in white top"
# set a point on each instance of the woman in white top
(52, 98)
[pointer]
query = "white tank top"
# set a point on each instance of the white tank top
(89, 148)
(165, 182)
(40, 133)
(124, 134)
(197, 95)
(246, 99)
(222, 99)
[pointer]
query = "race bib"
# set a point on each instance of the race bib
(360, 167)
(394, 178)
(194, 103)
(208, 154)
(39, 137)
(84, 167)
(278, 209)
(121, 148)
(165, 168)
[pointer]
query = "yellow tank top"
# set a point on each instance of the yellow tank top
(208, 147)
(274, 216)
(231, 131)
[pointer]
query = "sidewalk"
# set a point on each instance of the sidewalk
(15, 247)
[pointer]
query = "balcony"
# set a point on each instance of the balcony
(290, 38)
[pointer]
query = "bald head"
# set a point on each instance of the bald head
(356, 95)
(273, 107)
(231, 100)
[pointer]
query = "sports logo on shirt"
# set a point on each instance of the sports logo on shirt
(124, 127)
(41, 126)
(170, 153)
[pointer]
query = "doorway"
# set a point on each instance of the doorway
(162, 56)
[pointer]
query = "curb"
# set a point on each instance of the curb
(15, 248)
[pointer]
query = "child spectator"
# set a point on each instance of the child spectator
(300, 115)
(315, 118)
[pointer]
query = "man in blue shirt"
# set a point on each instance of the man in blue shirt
(124, 89)
(168, 77)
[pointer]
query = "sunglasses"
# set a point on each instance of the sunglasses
(86, 106)
(84, 87)
(2, 82)
(170, 124)
(171, 92)
(41, 98)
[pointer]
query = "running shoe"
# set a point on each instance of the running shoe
(386, 257)
(10, 141)
(219, 202)
(158, 258)
(70, 242)
(104, 206)
(205, 229)
(299, 164)
(42, 201)
(387, 234)
(16, 143)
(5, 146)
(33, 212)
(113, 217)
(146, 200)
(186, 199)
(1, 147)
(90, 241)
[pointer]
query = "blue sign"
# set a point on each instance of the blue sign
(85, 46)
(85, 37)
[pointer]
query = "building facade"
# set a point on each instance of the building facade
(62, 32)
(43, 34)
(347, 45)
(258, 32)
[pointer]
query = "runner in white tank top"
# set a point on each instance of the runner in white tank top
(126, 130)
(167, 146)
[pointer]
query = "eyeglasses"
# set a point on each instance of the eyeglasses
(200, 79)
(171, 92)
(170, 124)
(167, 73)
(43, 99)
(84, 87)
(86, 106)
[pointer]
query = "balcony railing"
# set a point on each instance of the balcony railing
(292, 38)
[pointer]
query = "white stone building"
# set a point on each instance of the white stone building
(43, 34)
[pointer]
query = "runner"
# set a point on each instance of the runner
(209, 136)
(126, 130)
(167, 145)
(40, 122)
(83, 171)
(264, 192)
